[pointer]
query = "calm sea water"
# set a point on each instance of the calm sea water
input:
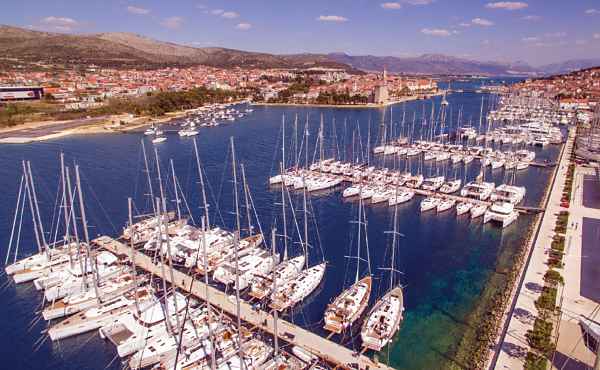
(446, 262)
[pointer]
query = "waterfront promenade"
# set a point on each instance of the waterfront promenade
(512, 346)
(581, 294)
(327, 350)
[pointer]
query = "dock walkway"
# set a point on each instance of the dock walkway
(325, 349)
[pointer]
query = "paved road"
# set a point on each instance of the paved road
(49, 129)
(326, 349)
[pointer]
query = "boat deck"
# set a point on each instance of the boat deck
(327, 350)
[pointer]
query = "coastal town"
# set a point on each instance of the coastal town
(295, 187)
(92, 86)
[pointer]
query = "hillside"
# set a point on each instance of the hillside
(130, 50)
(570, 66)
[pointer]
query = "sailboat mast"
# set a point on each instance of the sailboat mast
(296, 141)
(37, 211)
(132, 257)
(321, 153)
(162, 265)
(305, 224)
(359, 235)
(236, 239)
(283, 139)
(394, 245)
(275, 332)
(369, 142)
(95, 274)
(481, 113)
(14, 223)
(176, 191)
(205, 203)
(247, 203)
(207, 294)
(65, 206)
(148, 176)
(74, 221)
(162, 191)
(284, 215)
(306, 143)
(170, 261)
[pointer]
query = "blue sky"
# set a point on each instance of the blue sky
(536, 31)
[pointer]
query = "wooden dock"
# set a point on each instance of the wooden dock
(325, 349)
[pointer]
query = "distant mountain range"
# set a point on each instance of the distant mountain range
(448, 65)
(131, 50)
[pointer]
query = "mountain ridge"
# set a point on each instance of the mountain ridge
(123, 49)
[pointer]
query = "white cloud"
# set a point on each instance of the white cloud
(391, 5)
(581, 42)
(507, 5)
(592, 11)
(217, 11)
(332, 18)
(465, 24)
(243, 26)
(63, 24)
(439, 32)
(200, 6)
(530, 39)
(172, 22)
(230, 15)
(137, 10)
(419, 2)
(556, 34)
(532, 18)
(482, 22)
(596, 36)
(486, 42)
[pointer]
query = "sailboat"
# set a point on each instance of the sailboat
(287, 270)
(297, 289)
(384, 319)
(348, 306)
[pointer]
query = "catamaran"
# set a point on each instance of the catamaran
(502, 213)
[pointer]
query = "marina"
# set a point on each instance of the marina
(302, 318)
